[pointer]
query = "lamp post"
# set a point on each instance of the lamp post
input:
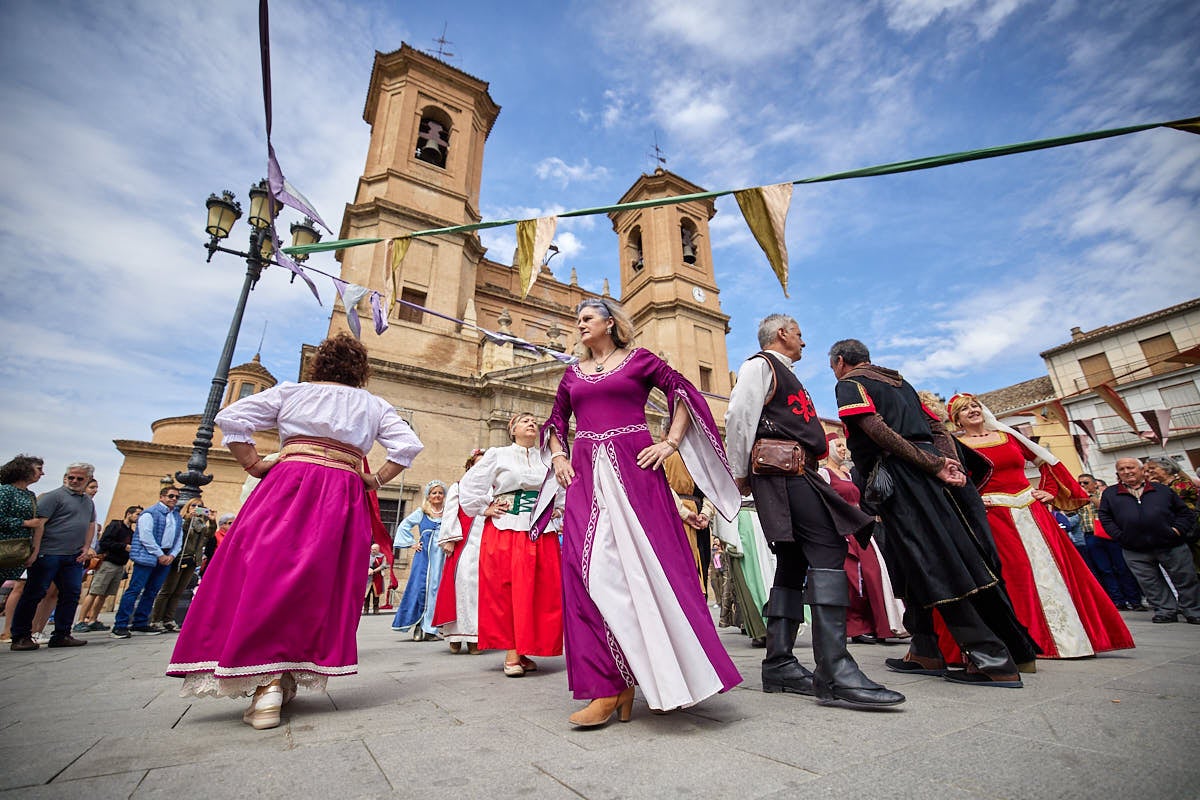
(223, 212)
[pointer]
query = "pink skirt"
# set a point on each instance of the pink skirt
(284, 590)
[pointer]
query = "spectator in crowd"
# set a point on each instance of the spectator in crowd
(115, 544)
(159, 539)
(18, 522)
(62, 549)
(1168, 473)
(199, 525)
(1152, 525)
(210, 547)
(1104, 555)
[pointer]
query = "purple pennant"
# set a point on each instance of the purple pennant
(284, 260)
(377, 313)
(350, 293)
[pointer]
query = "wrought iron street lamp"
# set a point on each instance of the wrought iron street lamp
(223, 211)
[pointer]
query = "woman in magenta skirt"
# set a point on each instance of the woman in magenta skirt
(245, 633)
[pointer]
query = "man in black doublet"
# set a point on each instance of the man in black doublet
(939, 548)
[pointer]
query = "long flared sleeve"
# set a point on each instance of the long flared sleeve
(1057, 480)
(407, 524)
(701, 447)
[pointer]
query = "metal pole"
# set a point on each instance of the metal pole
(195, 478)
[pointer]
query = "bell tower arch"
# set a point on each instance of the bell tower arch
(429, 124)
(667, 281)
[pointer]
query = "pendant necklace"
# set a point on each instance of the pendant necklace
(600, 364)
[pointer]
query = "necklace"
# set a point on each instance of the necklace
(600, 364)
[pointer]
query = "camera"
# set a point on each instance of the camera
(200, 510)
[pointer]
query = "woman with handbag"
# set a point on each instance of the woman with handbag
(20, 527)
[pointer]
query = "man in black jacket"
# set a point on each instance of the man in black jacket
(1150, 522)
(115, 544)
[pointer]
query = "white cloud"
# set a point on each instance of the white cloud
(554, 168)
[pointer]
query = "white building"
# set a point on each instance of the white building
(1153, 362)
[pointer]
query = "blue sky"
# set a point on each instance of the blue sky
(121, 117)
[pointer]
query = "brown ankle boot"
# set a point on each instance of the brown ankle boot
(600, 711)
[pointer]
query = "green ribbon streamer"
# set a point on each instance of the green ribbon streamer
(1191, 125)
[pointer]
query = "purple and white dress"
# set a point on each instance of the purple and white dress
(284, 591)
(632, 613)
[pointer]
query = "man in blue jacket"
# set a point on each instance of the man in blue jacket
(157, 541)
(1152, 523)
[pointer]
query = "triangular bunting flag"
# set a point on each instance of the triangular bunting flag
(1082, 447)
(1055, 411)
(351, 293)
(285, 193)
(1109, 395)
(285, 260)
(533, 240)
(378, 314)
(398, 248)
(1088, 426)
(1189, 125)
(765, 209)
(1159, 422)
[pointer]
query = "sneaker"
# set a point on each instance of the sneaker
(1138, 607)
(146, 630)
(119, 633)
(66, 641)
(24, 643)
(169, 627)
(81, 627)
(97, 626)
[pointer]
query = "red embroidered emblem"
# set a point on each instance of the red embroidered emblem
(802, 406)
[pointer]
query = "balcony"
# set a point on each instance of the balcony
(1113, 434)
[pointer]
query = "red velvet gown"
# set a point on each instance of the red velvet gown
(1054, 593)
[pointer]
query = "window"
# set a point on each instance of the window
(245, 390)
(706, 379)
(1180, 394)
(687, 236)
(1156, 349)
(433, 137)
(1096, 369)
(408, 313)
(634, 247)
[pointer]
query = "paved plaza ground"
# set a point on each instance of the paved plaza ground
(102, 722)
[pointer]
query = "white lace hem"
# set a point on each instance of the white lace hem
(206, 684)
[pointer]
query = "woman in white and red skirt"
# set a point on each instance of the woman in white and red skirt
(520, 576)
(245, 633)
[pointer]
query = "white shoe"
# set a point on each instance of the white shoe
(264, 709)
(41, 638)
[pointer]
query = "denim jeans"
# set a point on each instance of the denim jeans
(142, 589)
(66, 573)
(1112, 571)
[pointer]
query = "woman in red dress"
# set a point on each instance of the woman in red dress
(1053, 592)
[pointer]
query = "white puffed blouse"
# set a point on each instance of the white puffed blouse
(327, 410)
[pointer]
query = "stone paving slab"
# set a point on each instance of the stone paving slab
(102, 721)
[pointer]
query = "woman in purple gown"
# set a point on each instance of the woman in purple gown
(632, 614)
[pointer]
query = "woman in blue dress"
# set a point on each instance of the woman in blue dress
(419, 530)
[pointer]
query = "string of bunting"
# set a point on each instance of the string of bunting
(764, 208)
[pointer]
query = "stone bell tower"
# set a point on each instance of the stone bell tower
(429, 123)
(667, 281)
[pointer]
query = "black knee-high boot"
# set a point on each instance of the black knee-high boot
(837, 676)
(781, 672)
